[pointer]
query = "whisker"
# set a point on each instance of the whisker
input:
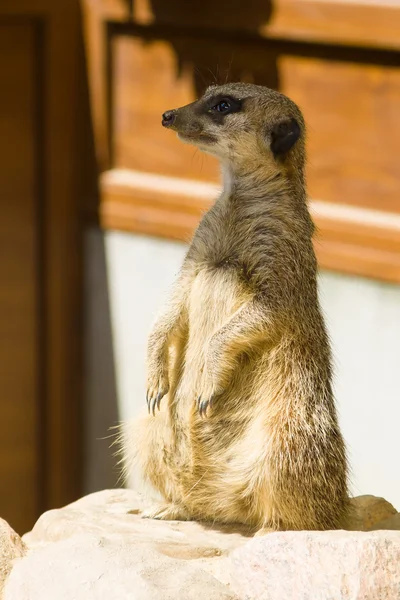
(228, 70)
(197, 482)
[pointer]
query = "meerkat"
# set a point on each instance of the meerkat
(242, 424)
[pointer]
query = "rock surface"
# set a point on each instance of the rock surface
(93, 549)
(367, 511)
(11, 547)
(99, 547)
(334, 565)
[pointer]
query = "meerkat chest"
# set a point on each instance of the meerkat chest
(214, 296)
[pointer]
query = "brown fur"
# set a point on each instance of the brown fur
(247, 431)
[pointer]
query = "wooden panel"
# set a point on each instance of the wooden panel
(153, 204)
(138, 140)
(349, 109)
(64, 107)
(355, 240)
(95, 14)
(364, 247)
(348, 22)
(370, 25)
(339, 61)
(46, 166)
(353, 130)
(19, 293)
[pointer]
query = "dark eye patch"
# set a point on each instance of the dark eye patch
(219, 106)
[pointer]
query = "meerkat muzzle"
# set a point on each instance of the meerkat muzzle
(168, 118)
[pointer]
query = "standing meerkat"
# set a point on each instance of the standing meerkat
(242, 425)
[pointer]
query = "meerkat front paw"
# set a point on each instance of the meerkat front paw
(265, 531)
(207, 398)
(166, 512)
(157, 388)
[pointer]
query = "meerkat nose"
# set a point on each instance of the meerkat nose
(168, 118)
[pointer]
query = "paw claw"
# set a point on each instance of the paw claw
(204, 405)
(149, 400)
(153, 400)
(158, 399)
(203, 408)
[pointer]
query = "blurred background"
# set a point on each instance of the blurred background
(99, 203)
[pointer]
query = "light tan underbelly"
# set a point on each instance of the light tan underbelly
(214, 297)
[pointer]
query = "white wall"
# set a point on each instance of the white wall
(363, 318)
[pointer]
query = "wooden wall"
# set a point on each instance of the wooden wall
(340, 61)
(44, 146)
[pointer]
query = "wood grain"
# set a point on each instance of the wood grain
(340, 61)
(346, 22)
(63, 161)
(19, 291)
(138, 141)
(361, 241)
(43, 150)
(349, 109)
(353, 131)
(154, 205)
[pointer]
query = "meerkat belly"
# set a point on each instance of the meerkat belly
(214, 457)
(214, 297)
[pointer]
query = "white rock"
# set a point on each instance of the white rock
(11, 547)
(332, 565)
(100, 548)
(94, 567)
(93, 549)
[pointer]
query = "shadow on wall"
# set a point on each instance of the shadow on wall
(235, 15)
(100, 411)
(216, 53)
(101, 407)
(216, 63)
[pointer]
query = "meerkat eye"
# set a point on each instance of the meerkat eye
(219, 106)
(223, 106)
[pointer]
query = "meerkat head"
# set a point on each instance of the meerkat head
(244, 125)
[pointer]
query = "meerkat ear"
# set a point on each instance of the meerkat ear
(284, 135)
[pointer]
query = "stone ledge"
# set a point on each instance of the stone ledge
(99, 547)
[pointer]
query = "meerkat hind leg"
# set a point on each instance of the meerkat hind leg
(265, 531)
(270, 527)
(166, 512)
